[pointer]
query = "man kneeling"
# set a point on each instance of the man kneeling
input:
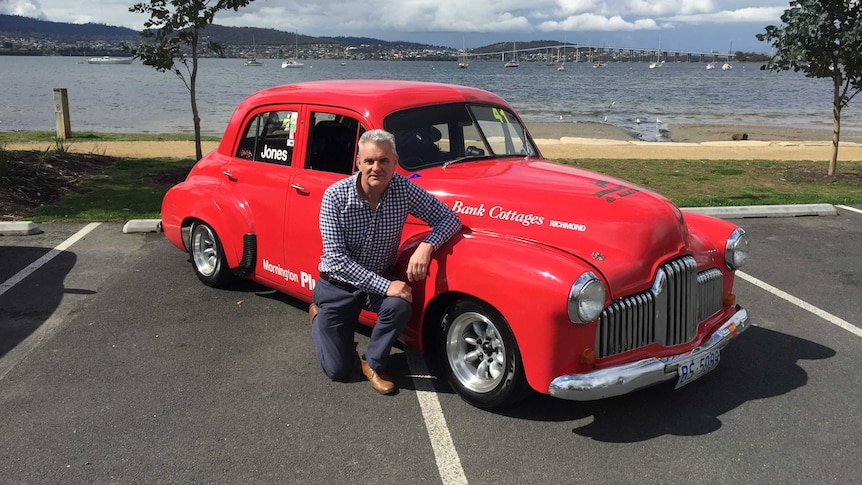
(361, 221)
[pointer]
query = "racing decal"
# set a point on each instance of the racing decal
(498, 212)
(572, 226)
(502, 214)
(305, 280)
(613, 192)
(285, 273)
(274, 154)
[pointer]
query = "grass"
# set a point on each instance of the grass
(133, 188)
(707, 183)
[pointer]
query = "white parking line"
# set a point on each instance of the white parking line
(14, 280)
(448, 461)
(848, 208)
(53, 323)
(802, 304)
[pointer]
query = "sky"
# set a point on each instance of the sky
(689, 25)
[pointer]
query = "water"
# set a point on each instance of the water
(137, 98)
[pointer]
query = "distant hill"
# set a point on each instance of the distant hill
(15, 24)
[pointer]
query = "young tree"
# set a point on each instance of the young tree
(173, 33)
(822, 38)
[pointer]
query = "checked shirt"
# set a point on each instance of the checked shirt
(361, 244)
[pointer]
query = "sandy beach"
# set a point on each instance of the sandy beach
(591, 140)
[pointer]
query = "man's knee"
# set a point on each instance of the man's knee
(396, 309)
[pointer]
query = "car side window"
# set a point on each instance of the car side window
(269, 137)
(332, 143)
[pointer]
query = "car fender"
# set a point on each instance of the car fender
(532, 298)
(222, 210)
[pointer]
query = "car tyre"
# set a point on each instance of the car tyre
(207, 256)
(481, 356)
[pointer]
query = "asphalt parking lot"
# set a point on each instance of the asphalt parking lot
(117, 365)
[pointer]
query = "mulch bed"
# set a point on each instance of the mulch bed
(30, 179)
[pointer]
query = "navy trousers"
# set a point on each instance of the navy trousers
(338, 313)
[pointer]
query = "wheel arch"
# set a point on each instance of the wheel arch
(531, 298)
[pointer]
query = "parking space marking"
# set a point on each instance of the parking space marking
(17, 278)
(848, 208)
(445, 454)
(53, 323)
(802, 304)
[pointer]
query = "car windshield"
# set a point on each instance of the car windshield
(442, 134)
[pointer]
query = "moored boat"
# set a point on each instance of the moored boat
(110, 60)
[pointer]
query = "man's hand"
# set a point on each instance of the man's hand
(417, 267)
(401, 290)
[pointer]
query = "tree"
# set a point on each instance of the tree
(822, 38)
(172, 33)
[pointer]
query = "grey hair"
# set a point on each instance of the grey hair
(378, 136)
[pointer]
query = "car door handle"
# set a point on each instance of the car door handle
(298, 188)
(229, 175)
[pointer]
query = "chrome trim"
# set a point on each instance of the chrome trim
(668, 313)
(625, 378)
(737, 241)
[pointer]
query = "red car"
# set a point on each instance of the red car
(564, 281)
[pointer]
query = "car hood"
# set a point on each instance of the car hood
(622, 230)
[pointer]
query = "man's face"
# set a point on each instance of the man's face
(376, 163)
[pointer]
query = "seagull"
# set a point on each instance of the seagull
(638, 120)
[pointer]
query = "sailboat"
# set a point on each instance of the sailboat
(252, 61)
(562, 57)
(711, 64)
(727, 66)
(513, 62)
(658, 62)
(291, 63)
(462, 58)
(601, 62)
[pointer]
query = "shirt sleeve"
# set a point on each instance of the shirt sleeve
(444, 222)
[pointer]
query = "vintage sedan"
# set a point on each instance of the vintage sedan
(565, 281)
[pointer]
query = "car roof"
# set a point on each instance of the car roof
(370, 96)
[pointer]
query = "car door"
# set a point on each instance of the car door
(260, 172)
(330, 156)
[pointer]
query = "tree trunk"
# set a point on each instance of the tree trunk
(836, 124)
(192, 91)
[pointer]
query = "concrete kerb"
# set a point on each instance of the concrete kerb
(24, 228)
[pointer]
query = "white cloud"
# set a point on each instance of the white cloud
(451, 19)
(25, 8)
(750, 14)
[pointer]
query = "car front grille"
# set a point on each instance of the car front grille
(668, 313)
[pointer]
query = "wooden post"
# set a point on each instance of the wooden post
(61, 113)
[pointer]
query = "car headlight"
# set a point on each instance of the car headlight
(736, 251)
(586, 298)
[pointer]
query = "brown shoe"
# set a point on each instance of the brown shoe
(312, 312)
(380, 382)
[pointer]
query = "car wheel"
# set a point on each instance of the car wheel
(208, 259)
(482, 357)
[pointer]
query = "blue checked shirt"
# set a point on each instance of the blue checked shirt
(361, 244)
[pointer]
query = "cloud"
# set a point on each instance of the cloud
(24, 8)
(750, 14)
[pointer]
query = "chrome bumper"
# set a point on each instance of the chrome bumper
(625, 378)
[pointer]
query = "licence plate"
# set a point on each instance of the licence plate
(696, 366)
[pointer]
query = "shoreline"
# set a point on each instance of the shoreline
(566, 140)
